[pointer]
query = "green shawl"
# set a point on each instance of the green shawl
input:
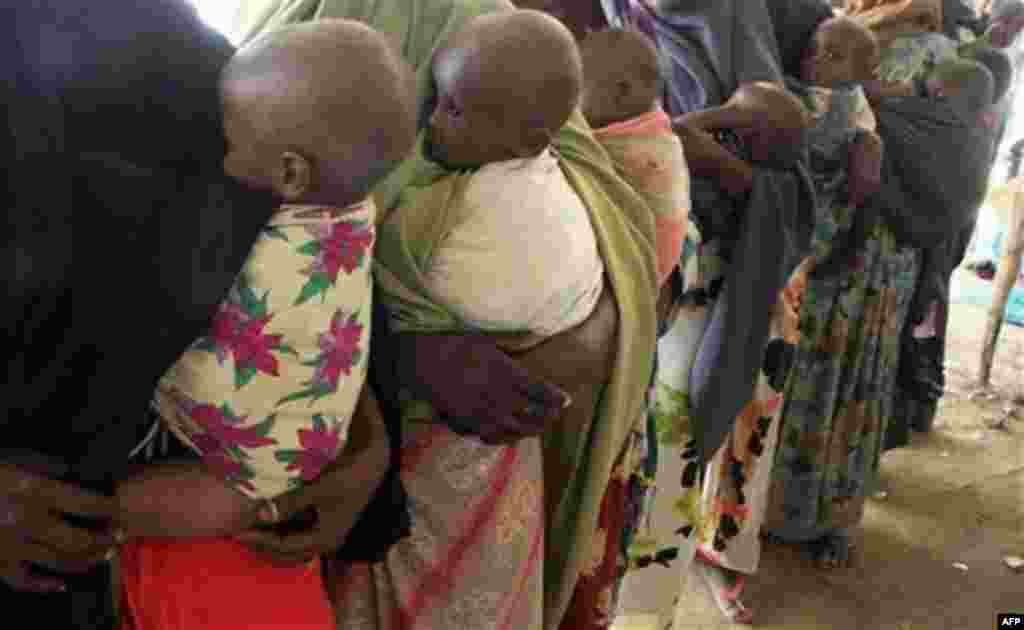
(624, 228)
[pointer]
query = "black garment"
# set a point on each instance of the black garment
(122, 235)
(795, 22)
(958, 14)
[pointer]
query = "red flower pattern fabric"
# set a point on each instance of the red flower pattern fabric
(267, 395)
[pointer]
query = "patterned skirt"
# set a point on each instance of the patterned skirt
(839, 397)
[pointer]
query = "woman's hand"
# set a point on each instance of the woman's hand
(33, 531)
(865, 167)
(317, 518)
(582, 356)
(477, 388)
(482, 391)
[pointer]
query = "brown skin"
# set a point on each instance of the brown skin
(763, 114)
(320, 154)
(877, 90)
(292, 125)
(487, 114)
(706, 158)
(33, 532)
(842, 51)
(845, 52)
(621, 76)
(580, 361)
(339, 495)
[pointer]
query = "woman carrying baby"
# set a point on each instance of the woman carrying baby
(483, 552)
(697, 505)
(849, 301)
(929, 56)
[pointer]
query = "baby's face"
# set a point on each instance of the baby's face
(246, 159)
(831, 60)
(462, 133)
(598, 96)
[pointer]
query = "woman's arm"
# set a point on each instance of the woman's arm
(482, 390)
(182, 499)
(335, 500)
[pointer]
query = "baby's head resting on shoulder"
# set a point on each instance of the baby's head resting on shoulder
(506, 83)
(318, 112)
(621, 76)
(843, 51)
(770, 119)
(964, 83)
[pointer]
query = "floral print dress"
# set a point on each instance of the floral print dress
(716, 510)
(839, 397)
(266, 397)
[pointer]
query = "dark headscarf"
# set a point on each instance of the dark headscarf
(709, 47)
(123, 235)
(794, 22)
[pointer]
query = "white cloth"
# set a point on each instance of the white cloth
(525, 258)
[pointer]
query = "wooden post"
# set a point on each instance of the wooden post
(1006, 278)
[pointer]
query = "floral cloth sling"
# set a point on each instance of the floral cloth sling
(266, 397)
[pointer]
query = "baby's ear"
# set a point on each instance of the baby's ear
(534, 140)
(294, 176)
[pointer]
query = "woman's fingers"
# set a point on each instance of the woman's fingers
(52, 494)
(288, 550)
(20, 577)
(52, 532)
(32, 552)
(550, 398)
(33, 530)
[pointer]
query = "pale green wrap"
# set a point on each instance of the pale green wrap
(624, 227)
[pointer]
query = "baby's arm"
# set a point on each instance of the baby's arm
(865, 166)
(709, 159)
(877, 90)
(267, 407)
(182, 500)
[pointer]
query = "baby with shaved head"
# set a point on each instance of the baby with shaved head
(506, 84)
(622, 100)
(318, 113)
(525, 258)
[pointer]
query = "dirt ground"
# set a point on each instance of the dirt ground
(954, 497)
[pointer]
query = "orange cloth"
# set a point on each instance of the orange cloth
(650, 157)
(217, 584)
(792, 300)
(668, 245)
